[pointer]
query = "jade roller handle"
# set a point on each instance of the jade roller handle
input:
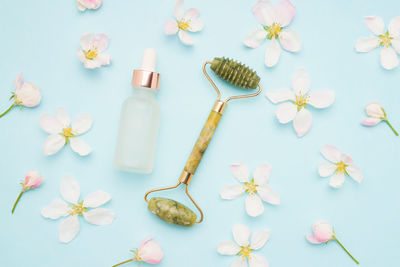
(202, 142)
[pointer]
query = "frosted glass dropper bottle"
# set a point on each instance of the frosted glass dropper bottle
(139, 122)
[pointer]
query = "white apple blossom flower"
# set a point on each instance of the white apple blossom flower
(243, 248)
(91, 51)
(296, 101)
(389, 40)
(257, 188)
(184, 22)
(339, 165)
(62, 133)
(376, 114)
(274, 18)
(82, 5)
(88, 208)
(26, 94)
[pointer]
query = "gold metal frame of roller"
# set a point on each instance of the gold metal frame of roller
(186, 177)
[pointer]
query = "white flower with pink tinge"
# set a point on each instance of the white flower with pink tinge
(389, 40)
(323, 233)
(88, 208)
(184, 22)
(296, 101)
(257, 188)
(91, 51)
(243, 248)
(88, 4)
(274, 18)
(62, 133)
(339, 165)
(149, 252)
(376, 114)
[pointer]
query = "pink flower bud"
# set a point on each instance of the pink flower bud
(26, 94)
(375, 110)
(323, 232)
(32, 180)
(150, 251)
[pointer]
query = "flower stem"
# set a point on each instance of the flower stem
(351, 256)
(5, 112)
(16, 202)
(124, 262)
(391, 127)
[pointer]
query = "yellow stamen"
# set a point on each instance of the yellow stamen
(273, 30)
(77, 209)
(251, 187)
(91, 53)
(341, 167)
(183, 24)
(385, 39)
(245, 252)
(300, 102)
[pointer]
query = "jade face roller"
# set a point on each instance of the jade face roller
(238, 75)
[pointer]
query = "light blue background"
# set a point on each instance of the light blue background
(41, 39)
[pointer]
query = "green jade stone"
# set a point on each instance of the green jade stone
(172, 211)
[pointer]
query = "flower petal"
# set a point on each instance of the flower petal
(346, 159)
(312, 239)
(80, 147)
(272, 53)
(255, 38)
(375, 24)
(99, 216)
(394, 27)
(239, 262)
(185, 38)
(232, 191)
(100, 41)
(262, 174)
(268, 194)
(301, 81)
(302, 122)
(86, 40)
(355, 173)
(370, 121)
(337, 180)
(191, 13)
(389, 59)
(259, 238)
(331, 153)
(257, 261)
(150, 251)
(18, 82)
(265, 12)
(241, 234)
(56, 209)
(285, 12)
(171, 27)
(50, 124)
(396, 44)
(290, 40)
(196, 25)
(63, 117)
(326, 169)
(321, 98)
(366, 44)
(375, 110)
(254, 206)
(100, 60)
(68, 229)
(96, 199)
(280, 95)
(228, 248)
(70, 189)
(28, 94)
(82, 123)
(323, 231)
(53, 144)
(240, 171)
(179, 11)
(286, 112)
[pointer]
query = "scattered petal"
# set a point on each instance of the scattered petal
(321, 98)
(285, 12)
(80, 147)
(262, 174)
(355, 173)
(240, 171)
(326, 169)
(331, 153)
(241, 234)
(259, 238)
(375, 24)
(63, 117)
(96, 199)
(185, 38)
(337, 180)
(68, 229)
(302, 122)
(82, 123)
(232, 191)
(286, 112)
(255, 38)
(99, 216)
(367, 44)
(394, 27)
(239, 262)
(254, 206)
(171, 27)
(50, 124)
(389, 59)
(70, 189)
(228, 248)
(273, 53)
(280, 95)
(301, 82)
(56, 209)
(370, 121)
(290, 40)
(268, 194)
(53, 144)
(258, 261)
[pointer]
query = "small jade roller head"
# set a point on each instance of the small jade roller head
(235, 73)
(172, 211)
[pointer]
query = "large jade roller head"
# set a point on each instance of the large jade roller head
(238, 75)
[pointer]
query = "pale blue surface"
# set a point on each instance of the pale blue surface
(41, 39)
